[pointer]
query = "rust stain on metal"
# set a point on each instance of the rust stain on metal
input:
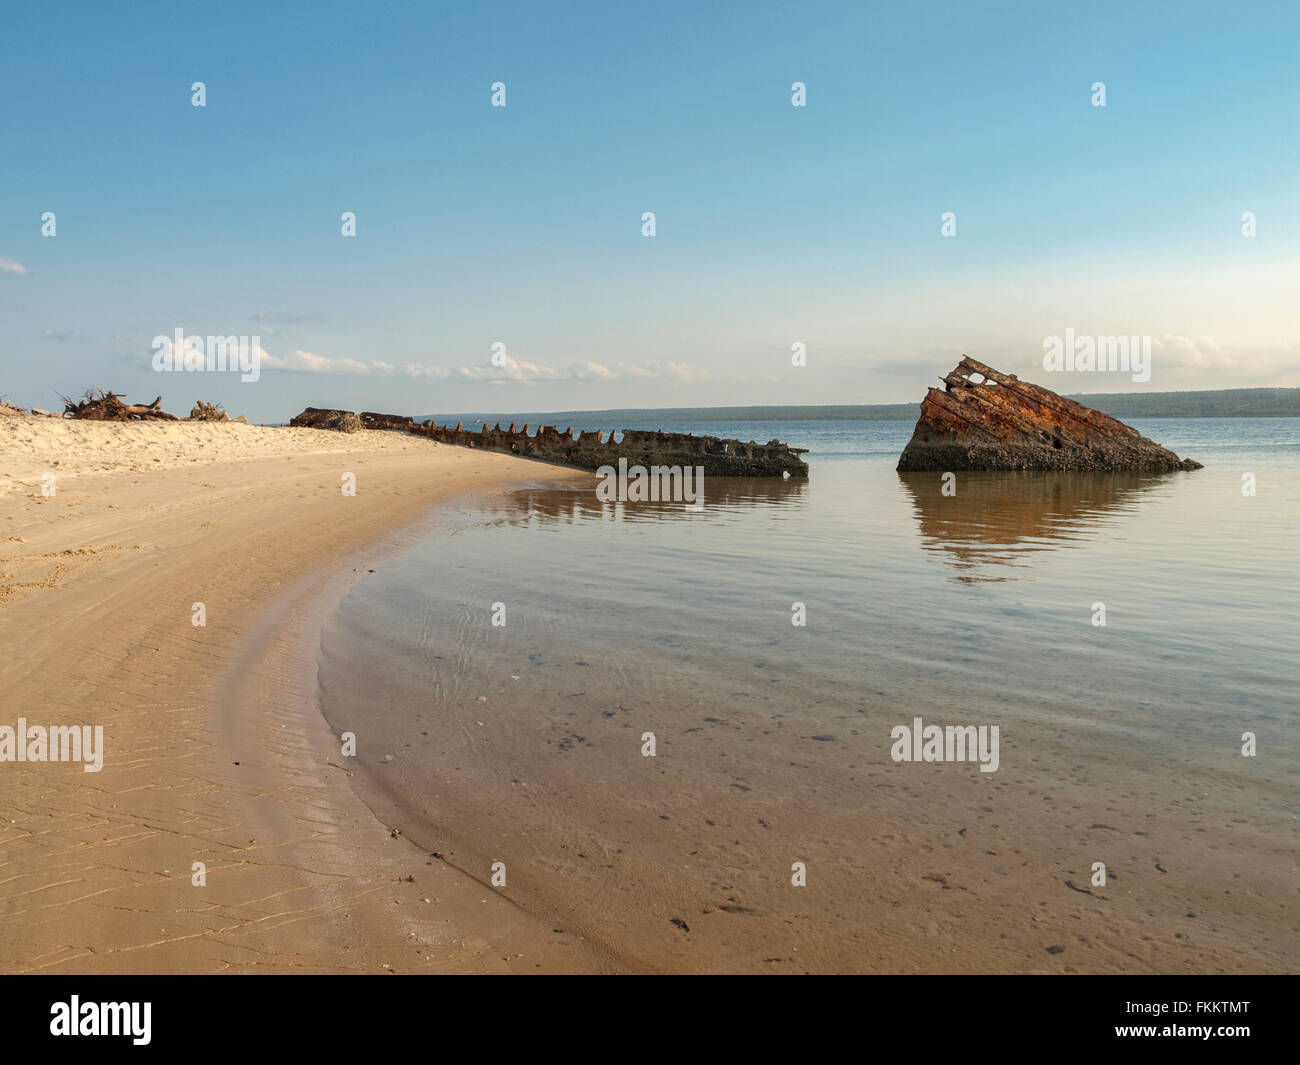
(590, 451)
(986, 420)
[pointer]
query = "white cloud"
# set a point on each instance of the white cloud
(517, 370)
(511, 370)
(306, 362)
(1200, 352)
(12, 266)
(680, 371)
(1203, 356)
(412, 370)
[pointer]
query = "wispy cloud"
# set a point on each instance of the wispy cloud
(1201, 352)
(430, 372)
(307, 362)
(521, 370)
(1206, 355)
(12, 266)
(517, 370)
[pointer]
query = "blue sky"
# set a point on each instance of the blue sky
(522, 224)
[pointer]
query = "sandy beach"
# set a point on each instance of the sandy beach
(215, 748)
(214, 751)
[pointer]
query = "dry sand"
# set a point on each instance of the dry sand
(215, 751)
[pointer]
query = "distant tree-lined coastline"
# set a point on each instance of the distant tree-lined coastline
(1222, 403)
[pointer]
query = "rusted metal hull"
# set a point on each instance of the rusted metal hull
(591, 451)
(1002, 423)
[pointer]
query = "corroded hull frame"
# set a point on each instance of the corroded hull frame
(1002, 423)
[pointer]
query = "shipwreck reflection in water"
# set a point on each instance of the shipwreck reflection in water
(571, 504)
(1000, 519)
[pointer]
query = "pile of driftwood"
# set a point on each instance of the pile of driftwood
(100, 406)
(208, 412)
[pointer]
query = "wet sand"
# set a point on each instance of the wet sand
(524, 744)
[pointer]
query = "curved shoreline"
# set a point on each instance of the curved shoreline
(540, 938)
(209, 756)
(359, 870)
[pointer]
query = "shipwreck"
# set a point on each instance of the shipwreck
(985, 420)
(588, 450)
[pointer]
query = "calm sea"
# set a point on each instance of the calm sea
(525, 742)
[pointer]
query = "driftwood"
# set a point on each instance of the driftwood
(212, 412)
(102, 406)
(208, 412)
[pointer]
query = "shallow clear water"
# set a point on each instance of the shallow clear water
(523, 742)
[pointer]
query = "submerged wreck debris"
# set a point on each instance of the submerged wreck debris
(986, 420)
(590, 451)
